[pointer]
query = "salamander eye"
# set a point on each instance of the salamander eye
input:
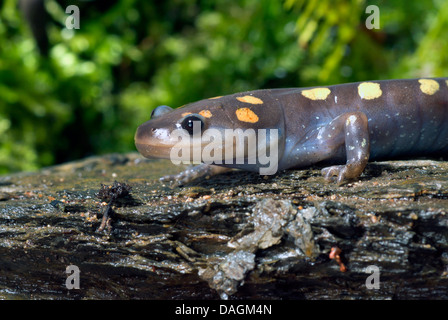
(188, 123)
(159, 111)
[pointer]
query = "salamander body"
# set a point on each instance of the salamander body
(343, 125)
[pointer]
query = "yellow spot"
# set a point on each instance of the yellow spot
(428, 86)
(246, 115)
(185, 113)
(369, 90)
(446, 81)
(215, 97)
(316, 93)
(350, 120)
(250, 99)
(205, 113)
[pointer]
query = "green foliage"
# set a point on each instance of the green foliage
(30, 115)
(98, 83)
(340, 48)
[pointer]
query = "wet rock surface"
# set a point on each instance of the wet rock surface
(237, 236)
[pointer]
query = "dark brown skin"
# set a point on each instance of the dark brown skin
(345, 125)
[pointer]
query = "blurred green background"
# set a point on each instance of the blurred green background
(70, 93)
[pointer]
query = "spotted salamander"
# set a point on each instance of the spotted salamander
(342, 125)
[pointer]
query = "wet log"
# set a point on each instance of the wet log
(234, 236)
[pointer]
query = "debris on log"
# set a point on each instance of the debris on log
(234, 236)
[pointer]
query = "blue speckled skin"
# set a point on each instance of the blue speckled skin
(404, 119)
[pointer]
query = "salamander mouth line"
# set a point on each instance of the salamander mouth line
(214, 147)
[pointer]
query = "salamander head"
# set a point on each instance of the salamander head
(155, 138)
(202, 129)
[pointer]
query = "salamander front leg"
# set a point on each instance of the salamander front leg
(350, 129)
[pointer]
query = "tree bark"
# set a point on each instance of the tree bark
(234, 236)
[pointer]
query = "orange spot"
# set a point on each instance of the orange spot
(335, 251)
(246, 115)
(250, 99)
(215, 97)
(335, 254)
(205, 113)
(185, 113)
